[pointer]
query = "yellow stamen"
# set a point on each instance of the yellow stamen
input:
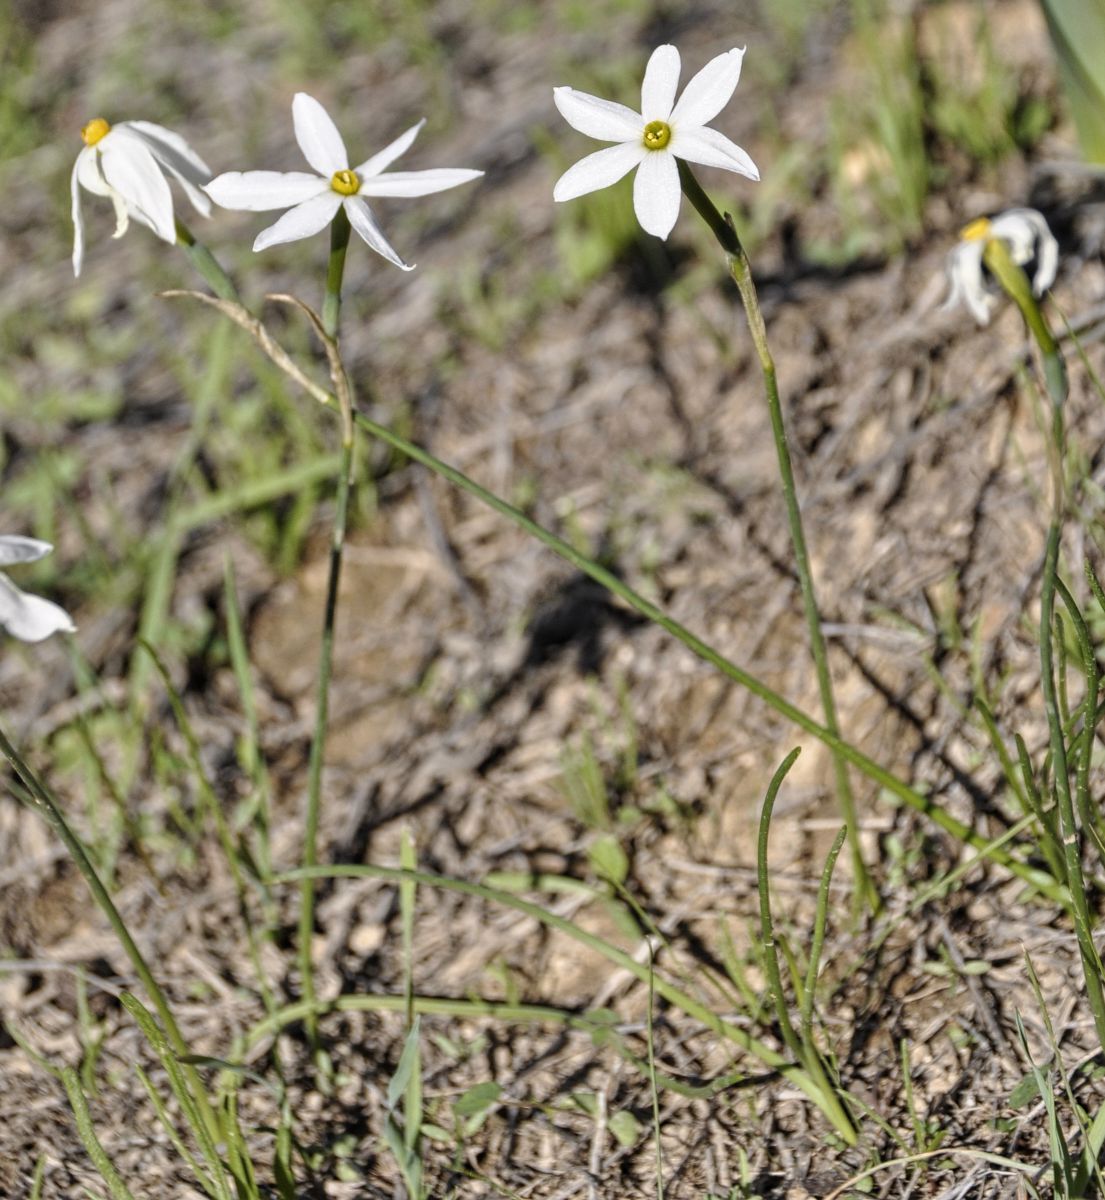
(95, 131)
(657, 135)
(976, 231)
(345, 183)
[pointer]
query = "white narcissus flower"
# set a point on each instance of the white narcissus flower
(1029, 240)
(654, 138)
(29, 618)
(317, 198)
(127, 162)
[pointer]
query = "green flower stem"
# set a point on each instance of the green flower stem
(335, 271)
(1039, 880)
(205, 263)
(1000, 262)
(331, 313)
(741, 272)
(50, 810)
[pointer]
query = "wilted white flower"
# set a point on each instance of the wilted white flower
(1030, 241)
(126, 162)
(29, 618)
(317, 198)
(654, 138)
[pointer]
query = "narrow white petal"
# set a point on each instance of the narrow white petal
(384, 158)
(17, 549)
(709, 91)
(966, 282)
(78, 222)
(178, 158)
(262, 191)
(302, 221)
(1028, 236)
(132, 172)
(172, 150)
(656, 193)
(599, 170)
(361, 218)
(318, 136)
(602, 119)
(417, 183)
(660, 84)
(711, 149)
(30, 618)
(89, 174)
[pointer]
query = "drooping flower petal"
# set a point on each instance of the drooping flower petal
(656, 193)
(131, 171)
(16, 549)
(660, 84)
(712, 149)
(302, 221)
(417, 183)
(966, 284)
(709, 91)
(178, 158)
(30, 618)
(318, 136)
(1028, 236)
(361, 218)
(601, 119)
(78, 222)
(261, 191)
(599, 170)
(384, 158)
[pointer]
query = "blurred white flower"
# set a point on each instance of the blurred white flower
(126, 162)
(29, 618)
(1030, 243)
(654, 138)
(317, 198)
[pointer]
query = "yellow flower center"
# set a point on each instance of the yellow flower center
(657, 135)
(976, 231)
(95, 131)
(345, 183)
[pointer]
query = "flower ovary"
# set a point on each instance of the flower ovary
(345, 183)
(657, 135)
(95, 131)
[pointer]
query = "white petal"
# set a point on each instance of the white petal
(30, 618)
(417, 183)
(711, 149)
(171, 149)
(88, 172)
(302, 221)
(709, 91)
(78, 222)
(384, 158)
(660, 83)
(261, 191)
(178, 158)
(318, 136)
(966, 282)
(361, 218)
(1028, 237)
(602, 119)
(132, 171)
(656, 193)
(16, 549)
(599, 170)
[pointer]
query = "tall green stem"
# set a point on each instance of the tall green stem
(331, 314)
(1000, 262)
(741, 272)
